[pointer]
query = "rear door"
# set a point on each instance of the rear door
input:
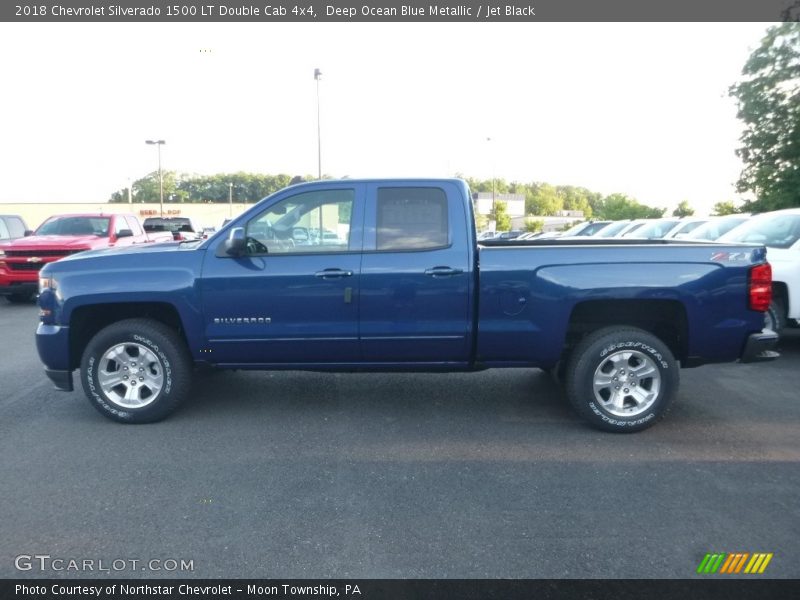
(416, 285)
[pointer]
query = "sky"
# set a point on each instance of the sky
(634, 108)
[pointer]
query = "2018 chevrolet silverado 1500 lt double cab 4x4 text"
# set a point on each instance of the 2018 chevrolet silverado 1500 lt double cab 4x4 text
(60, 236)
(403, 285)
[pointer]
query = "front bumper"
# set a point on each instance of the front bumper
(19, 288)
(759, 347)
(62, 380)
(52, 343)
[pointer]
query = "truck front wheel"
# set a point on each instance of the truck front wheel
(621, 379)
(136, 371)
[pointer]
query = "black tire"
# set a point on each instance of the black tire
(159, 359)
(20, 298)
(629, 403)
(775, 316)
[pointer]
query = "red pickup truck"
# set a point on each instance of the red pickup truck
(60, 236)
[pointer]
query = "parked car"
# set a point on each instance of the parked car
(654, 229)
(181, 228)
(630, 227)
(408, 289)
(528, 235)
(508, 235)
(779, 231)
(60, 236)
(716, 227)
(585, 228)
(611, 229)
(12, 227)
(684, 227)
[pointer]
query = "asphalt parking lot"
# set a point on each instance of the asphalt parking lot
(485, 475)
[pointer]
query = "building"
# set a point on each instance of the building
(515, 203)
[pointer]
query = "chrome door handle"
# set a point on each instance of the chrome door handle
(333, 274)
(443, 271)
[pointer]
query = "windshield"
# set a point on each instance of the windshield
(716, 227)
(612, 228)
(585, 228)
(654, 230)
(777, 230)
(75, 226)
(154, 224)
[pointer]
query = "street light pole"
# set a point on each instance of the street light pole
(230, 199)
(491, 159)
(317, 77)
(159, 143)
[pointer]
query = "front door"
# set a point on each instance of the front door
(293, 296)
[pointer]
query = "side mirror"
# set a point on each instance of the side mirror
(236, 243)
(123, 233)
(28, 232)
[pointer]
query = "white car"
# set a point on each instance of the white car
(715, 227)
(611, 229)
(653, 229)
(631, 227)
(779, 231)
(684, 227)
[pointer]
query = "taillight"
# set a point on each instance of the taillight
(760, 287)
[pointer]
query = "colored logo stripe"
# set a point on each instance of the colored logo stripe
(732, 563)
(758, 563)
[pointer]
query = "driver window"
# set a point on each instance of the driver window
(317, 221)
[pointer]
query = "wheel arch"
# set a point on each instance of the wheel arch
(780, 293)
(87, 321)
(665, 319)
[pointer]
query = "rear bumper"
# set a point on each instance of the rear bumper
(759, 347)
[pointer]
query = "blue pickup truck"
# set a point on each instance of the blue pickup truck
(387, 275)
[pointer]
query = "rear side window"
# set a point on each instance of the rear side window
(120, 224)
(133, 225)
(411, 219)
(16, 228)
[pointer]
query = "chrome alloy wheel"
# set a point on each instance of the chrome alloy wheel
(130, 375)
(626, 383)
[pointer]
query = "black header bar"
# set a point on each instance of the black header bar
(417, 589)
(267, 11)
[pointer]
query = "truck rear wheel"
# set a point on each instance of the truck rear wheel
(136, 371)
(621, 379)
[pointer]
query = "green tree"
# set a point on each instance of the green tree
(499, 215)
(534, 224)
(620, 206)
(148, 189)
(769, 106)
(724, 208)
(576, 198)
(683, 210)
(543, 199)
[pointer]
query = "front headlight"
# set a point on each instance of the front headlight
(47, 283)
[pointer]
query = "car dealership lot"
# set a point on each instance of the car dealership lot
(294, 474)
